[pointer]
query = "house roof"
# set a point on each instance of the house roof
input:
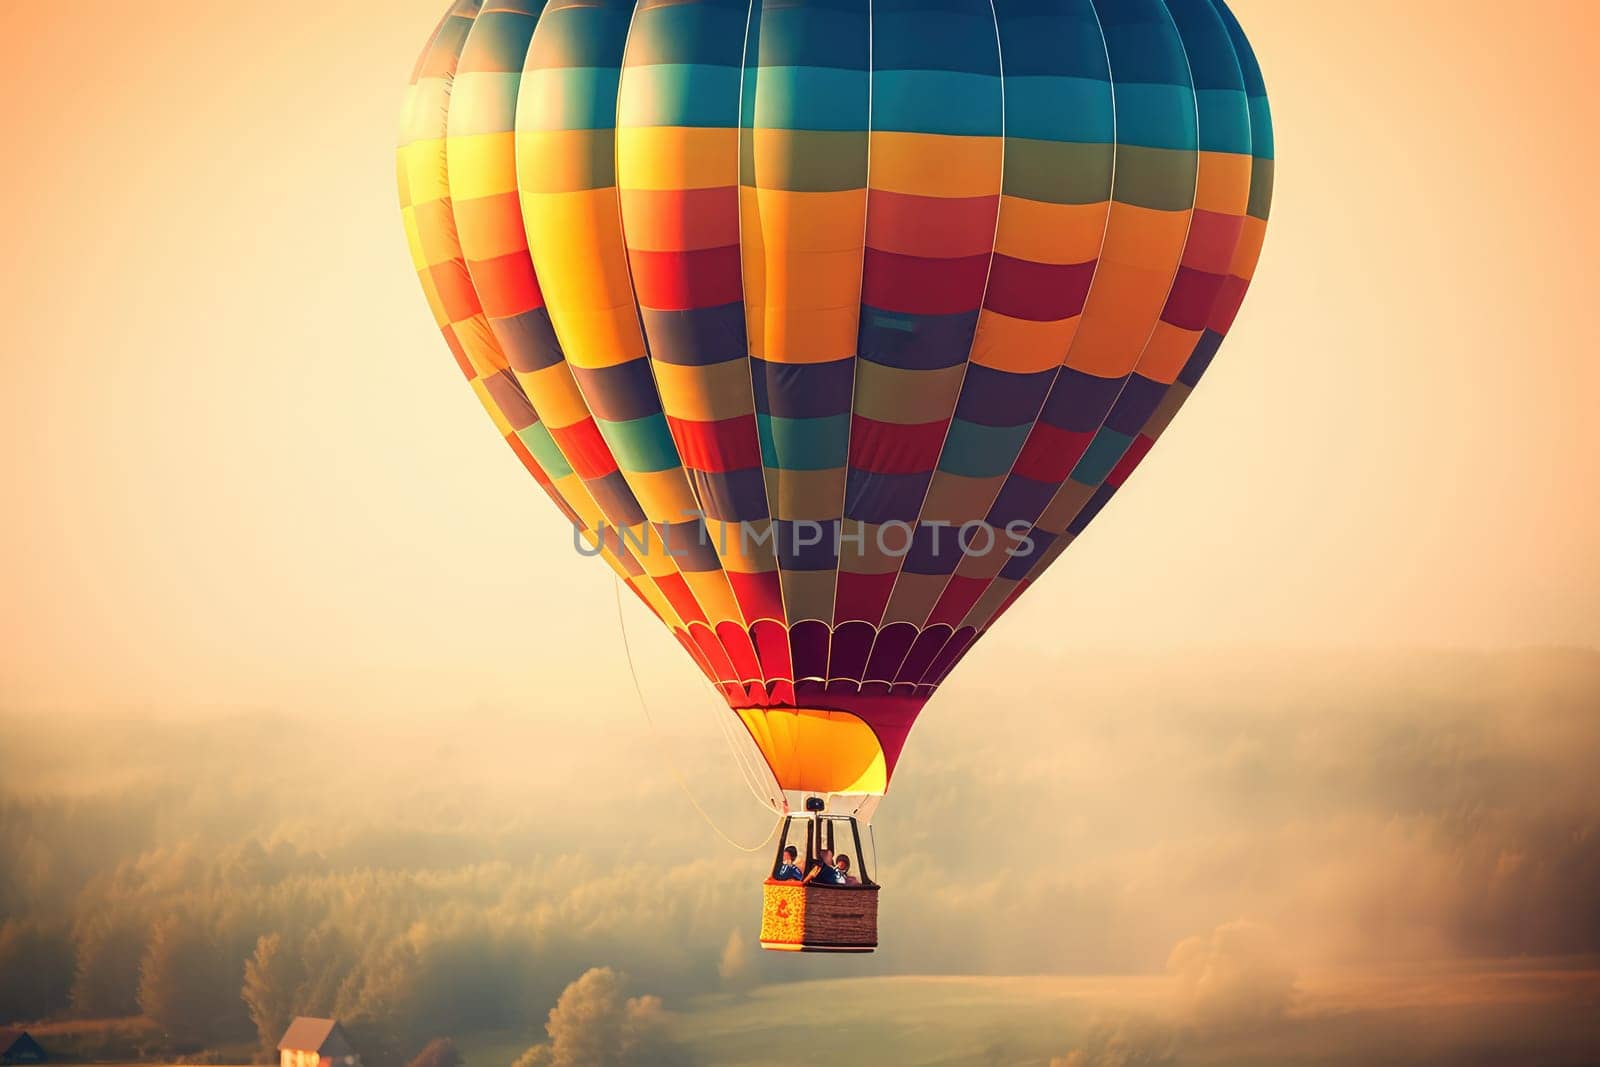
(10, 1038)
(324, 1036)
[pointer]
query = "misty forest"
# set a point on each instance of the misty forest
(1206, 858)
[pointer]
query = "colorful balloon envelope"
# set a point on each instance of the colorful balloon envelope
(829, 324)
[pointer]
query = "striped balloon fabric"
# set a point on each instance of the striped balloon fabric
(829, 324)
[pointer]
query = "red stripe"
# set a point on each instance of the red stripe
(1038, 292)
(957, 599)
(1050, 453)
(681, 281)
(681, 218)
(456, 294)
(918, 285)
(861, 596)
(506, 285)
(585, 449)
(891, 448)
(946, 660)
(931, 225)
(1230, 295)
(1191, 299)
(1212, 239)
(676, 590)
(760, 597)
(736, 643)
(715, 653)
(724, 445)
(1130, 459)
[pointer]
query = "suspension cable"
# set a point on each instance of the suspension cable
(672, 767)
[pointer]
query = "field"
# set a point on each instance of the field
(1425, 1017)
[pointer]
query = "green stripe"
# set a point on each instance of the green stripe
(818, 161)
(1159, 178)
(543, 446)
(1058, 172)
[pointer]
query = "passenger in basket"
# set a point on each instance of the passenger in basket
(788, 870)
(842, 866)
(823, 873)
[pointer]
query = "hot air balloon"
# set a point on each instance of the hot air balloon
(829, 324)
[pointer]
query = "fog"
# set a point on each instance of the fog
(1261, 831)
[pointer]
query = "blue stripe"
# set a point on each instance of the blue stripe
(1155, 116)
(1048, 108)
(936, 101)
(680, 94)
(808, 98)
(1224, 121)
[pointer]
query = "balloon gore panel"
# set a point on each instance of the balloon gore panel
(828, 325)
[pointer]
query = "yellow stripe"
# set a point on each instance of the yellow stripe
(482, 165)
(576, 242)
(936, 164)
(676, 157)
(563, 161)
(1050, 233)
(664, 495)
(1223, 183)
(1022, 346)
(424, 162)
(705, 394)
(715, 597)
(905, 397)
(555, 395)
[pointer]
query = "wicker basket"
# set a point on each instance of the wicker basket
(819, 918)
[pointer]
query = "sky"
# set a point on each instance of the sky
(242, 469)
(1319, 685)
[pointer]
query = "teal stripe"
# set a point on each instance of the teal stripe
(1155, 115)
(641, 445)
(974, 450)
(568, 98)
(499, 42)
(680, 94)
(1260, 127)
(937, 101)
(804, 444)
(1224, 121)
(807, 98)
(1048, 108)
(1103, 453)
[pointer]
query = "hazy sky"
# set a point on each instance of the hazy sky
(242, 468)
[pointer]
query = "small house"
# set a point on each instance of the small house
(316, 1043)
(17, 1047)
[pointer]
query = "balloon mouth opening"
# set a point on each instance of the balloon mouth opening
(814, 750)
